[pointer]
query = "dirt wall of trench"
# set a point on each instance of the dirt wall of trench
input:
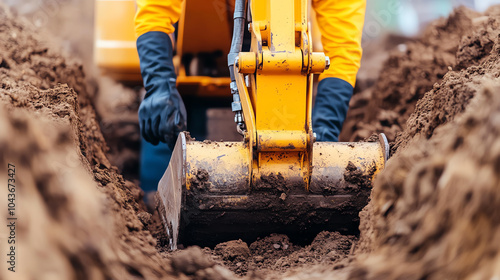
(77, 217)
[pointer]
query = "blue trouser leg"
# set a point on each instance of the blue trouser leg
(154, 162)
(162, 114)
(330, 108)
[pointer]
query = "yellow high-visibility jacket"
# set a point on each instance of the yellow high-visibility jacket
(340, 22)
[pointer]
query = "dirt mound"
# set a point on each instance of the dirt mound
(435, 205)
(411, 70)
(270, 257)
(77, 217)
(62, 227)
(117, 107)
(82, 234)
(451, 97)
(197, 265)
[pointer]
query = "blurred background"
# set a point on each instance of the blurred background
(407, 17)
(404, 17)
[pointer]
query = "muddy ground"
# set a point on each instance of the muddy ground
(434, 209)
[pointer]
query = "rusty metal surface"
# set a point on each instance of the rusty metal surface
(169, 196)
(215, 200)
(211, 219)
(330, 161)
(217, 167)
(284, 140)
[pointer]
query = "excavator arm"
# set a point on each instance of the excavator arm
(277, 179)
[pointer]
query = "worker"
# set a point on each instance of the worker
(162, 113)
(341, 25)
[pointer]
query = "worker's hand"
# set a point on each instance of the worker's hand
(162, 114)
(162, 117)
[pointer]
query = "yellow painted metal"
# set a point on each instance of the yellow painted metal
(260, 20)
(282, 25)
(205, 27)
(309, 105)
(227, 166)
(366, 156)
(286, 167)
(318, 62)
(280, 64)
(203, 86)
(278, 140)
(281, 100)
(281, 103)
(114, 39)
(115, 50)
(283, 63)
(215, 17)
(247, 62)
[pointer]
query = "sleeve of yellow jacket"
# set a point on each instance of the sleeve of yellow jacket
(341, 25)
(157, 15)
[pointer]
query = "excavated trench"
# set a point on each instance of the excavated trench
(433, 212)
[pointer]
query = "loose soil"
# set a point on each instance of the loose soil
(277, 254)
(433, 212)
(413, 67)
(78, 217)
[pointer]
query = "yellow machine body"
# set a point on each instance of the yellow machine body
(278, 179)
(115, 51)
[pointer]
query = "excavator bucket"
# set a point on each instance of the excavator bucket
(208, 193)
(278, 179)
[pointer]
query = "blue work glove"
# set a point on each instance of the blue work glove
(162, 114)
(330, 109)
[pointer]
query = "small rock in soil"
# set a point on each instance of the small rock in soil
(233, 250)
(191, 260)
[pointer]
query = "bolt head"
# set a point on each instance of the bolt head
(327, 63)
